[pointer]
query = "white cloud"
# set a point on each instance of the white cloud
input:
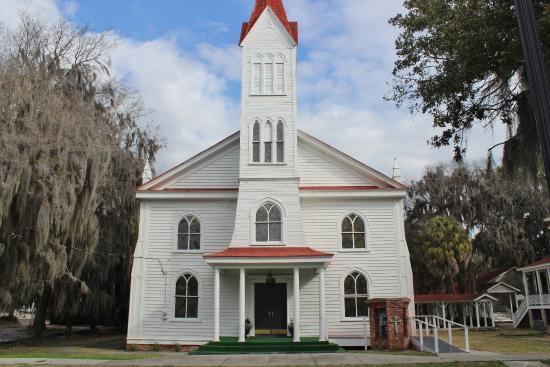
(70, 8)
(188, 99)
(342, 81)
(11, 10)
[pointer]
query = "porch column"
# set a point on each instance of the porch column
(296, 305)
(242, 299)
(492, 314)
(322, 316)
(216, 304)
(463, 306)
(526, 285)
(539, 286)
(485, 314)
(471, 314)
(477, 314)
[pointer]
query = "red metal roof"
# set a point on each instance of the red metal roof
(279, 251)
(447, 297)
(540, 262)
(338, 188)
(279, 9)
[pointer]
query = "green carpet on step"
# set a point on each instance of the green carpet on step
(263, 345)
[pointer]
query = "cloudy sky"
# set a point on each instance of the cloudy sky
(183, 58)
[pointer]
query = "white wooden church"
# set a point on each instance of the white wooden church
(269, 227)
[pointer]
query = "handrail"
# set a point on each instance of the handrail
(520, 313)
(447, 324)
(436, 335)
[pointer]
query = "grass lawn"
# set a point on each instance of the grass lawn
(509, 341)
(450, 364)
(100, 345)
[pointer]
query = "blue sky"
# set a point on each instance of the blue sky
(182, 56)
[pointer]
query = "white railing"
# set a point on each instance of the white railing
(419, 325)
(520, 313)
(447, 324)
(539, 299)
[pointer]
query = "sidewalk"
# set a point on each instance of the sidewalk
(337, 359)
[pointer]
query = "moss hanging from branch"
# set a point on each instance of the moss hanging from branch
(72, 154)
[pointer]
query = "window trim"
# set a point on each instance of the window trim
(175, 232)
(280, 122)
(174, 282)
(343, 277)
(340, 232)
(253, 212)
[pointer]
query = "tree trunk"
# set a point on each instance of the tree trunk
(39, 323)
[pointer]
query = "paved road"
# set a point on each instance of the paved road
(337, 359)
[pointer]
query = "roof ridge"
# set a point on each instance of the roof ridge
(279, 9)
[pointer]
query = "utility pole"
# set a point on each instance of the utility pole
(537, 76)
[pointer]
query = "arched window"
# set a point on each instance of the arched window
(268, 75)
(256, 142)
(280, 142)
(189, 233)
(268, 143)
(356, 295)
(256, 75)
(353, 232)
(187, 297)
(279, 75)
(269, 223)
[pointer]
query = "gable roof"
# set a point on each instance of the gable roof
(279, 10)
(380, 181)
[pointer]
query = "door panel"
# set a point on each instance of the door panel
(270, 309)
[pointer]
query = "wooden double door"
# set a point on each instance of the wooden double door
(270, 309)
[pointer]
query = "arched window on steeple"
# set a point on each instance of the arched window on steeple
(268, 143)
(268, 74)
(256, 77)
(256, 143)
(279, 75)
(280, 142)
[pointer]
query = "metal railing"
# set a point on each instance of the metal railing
(419, 325)
(447, 324)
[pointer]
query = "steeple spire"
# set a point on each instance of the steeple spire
(396, 171)
(279, 9)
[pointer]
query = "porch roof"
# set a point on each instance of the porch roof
(541, 264)
(278, 252)
(268, 255)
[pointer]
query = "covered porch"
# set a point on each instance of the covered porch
(536, 281)
(269, 291)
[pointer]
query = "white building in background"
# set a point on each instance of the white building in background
(270, 224)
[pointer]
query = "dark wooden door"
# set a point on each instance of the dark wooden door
(270, 309)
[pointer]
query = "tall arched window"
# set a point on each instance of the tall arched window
(269, 223)
(256, 142)
(279, 75)
(268, 143)
(187, 297)
(356, 295)
(280, 142)
(353, 232)
(189, 233)
(268, 75)
(257, 77)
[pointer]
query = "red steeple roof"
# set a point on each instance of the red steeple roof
(279, 9)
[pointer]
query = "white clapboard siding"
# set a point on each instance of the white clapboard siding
(219, 172)
(318, 170)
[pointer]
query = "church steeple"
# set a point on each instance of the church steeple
(279, 9)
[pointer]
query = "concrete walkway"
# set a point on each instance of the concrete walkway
(337, 359)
